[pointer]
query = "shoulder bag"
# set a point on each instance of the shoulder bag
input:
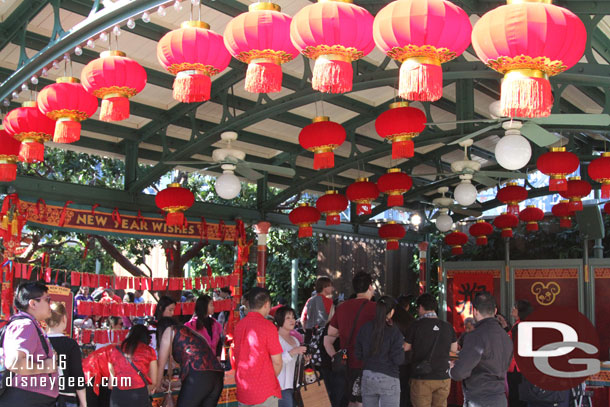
(309, 389)
(339, 362)
(424, 367)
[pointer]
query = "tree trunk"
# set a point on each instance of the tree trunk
(119, 257)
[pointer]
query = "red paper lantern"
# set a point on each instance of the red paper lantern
(456, 240)
(599, 170)
(304, 216)
(114, 78)
(506, 222)
(321, 137)
(362, 192)
(9, 153)
(394, 184)
(421, 34)
(28, 125)
(558, 163)
(333, 33)
(193, 53)
(531, 215)
(332, 204)
(261, 39)
(607, 208)
(563, 211)
(175, 200)
(511, 195)
(68, 103)
(577, 189)
(392, 232)
(400, 125)
(480, 230)
(528, 42)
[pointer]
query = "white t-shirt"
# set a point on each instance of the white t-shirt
(286, 376)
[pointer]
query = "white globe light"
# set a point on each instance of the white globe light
(228, 185)
(444, 223)
(513, 152)
(465, 193)
(494, 110)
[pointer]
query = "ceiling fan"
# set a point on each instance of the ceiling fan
(232, 159)
(444, 204)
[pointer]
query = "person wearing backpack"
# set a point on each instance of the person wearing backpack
(27, 352)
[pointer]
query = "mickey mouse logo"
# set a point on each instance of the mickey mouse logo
(545, 293)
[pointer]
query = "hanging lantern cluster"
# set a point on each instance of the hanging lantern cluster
(193, 53)
(363, 193)
(577, 189)
(68, 103)
(392, 232)
(480, 230)
(599, 171)
(400, 124)
(32, 128)
(511, 195)
(333, 33)
(557, 163)
(175, 200)
(527, 42)
(9, 154)
(332, 204)
(506, 222)
(563, 211)
(394, 184)
(261, 39)
(304, 216)
(456, 240)
(114, 78)
(421, 35)
(321, 137)
(531, 216)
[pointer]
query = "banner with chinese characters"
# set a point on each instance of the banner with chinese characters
(465, 285)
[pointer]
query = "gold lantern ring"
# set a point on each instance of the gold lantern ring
(8, 159)
(401, 136)
(67, 114)
(276, 57)
(323, 149)
(175, 209)
(505, 64)
(115, 91)
(208, 70)
(33, 136)
(435, 55)
(395, 192)
(348, 54)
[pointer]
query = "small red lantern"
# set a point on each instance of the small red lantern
(261, 39)
(577, 189)
(9, 153)
(607, 208)
(511, 195)
(531, 215)
(68, 103)
(304, 216)
(528, 41)
(506, 222)
(563, 211)
(175, 200)
(193, 53)
(28, 125)
(456, 240)
(332, 204)
(333, 33)
(480, 230)
(362, 192)
(400, 125)
(321, 137)
(114, 78)
(392, 232)
(394, 184)
(599, 170)
(421, 35)
(558, 163)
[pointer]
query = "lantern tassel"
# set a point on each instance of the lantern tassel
(420, 81)
(402, 149)
(532, 226)
(31, 152)
(513, 209)
(263, 77)
(606, 191)
(558, 184)
(66, 131)
(481, 240)
(576, 205)
(192, 86)
(395, 200)
(456, 250)
(8, 172)
(363, 209)
(507, 232)
(333, 219)
(391, 245)
(305, 231)
(114, 109)
(175, 219)
(332, 76)
(524, 96)
(323, 160)
(565, 222)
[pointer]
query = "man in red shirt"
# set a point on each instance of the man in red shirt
(356, 311)
(258, 354)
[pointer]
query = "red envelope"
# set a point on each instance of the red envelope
(84, 307)
(197, 285)
(178, 309)
(130, 279)
(97, 309)
(158, 284)
(17, 268)
(147, 283)
(188, 308)
(107, 309)
(188, 284)
(115, 309)
(140, 310)
(137, 283)
(150, 309)
(120, 283)
(86, 336)
(131, 310)
(75, 278)
(234, 280)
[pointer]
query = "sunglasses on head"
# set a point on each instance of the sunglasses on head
(47, 299)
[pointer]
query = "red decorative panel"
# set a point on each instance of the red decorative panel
(602, 309)
(543, 287)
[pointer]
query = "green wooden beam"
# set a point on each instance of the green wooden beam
(18, 19)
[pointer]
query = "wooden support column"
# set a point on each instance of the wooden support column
(262, 230)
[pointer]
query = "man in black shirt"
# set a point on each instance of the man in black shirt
(430, 340)
(485, 358)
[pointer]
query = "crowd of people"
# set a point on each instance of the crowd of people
(368, 351)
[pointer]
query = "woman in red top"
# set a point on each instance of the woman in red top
(203, 323)
(132, 384)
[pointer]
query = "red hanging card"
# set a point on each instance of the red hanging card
(137, 283)
(107, 310)
(86, 336)
(234, 280)
(130, 282)
(84, 307)
(188, 308)
(150, 309)
(131, 310)
(115, 309)
(26, 271)
(147, 283)
(157, 284)
(140, 310)
(97, 308)
(17, 268)
(75, 278)
(188, 284)
(178, 309)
